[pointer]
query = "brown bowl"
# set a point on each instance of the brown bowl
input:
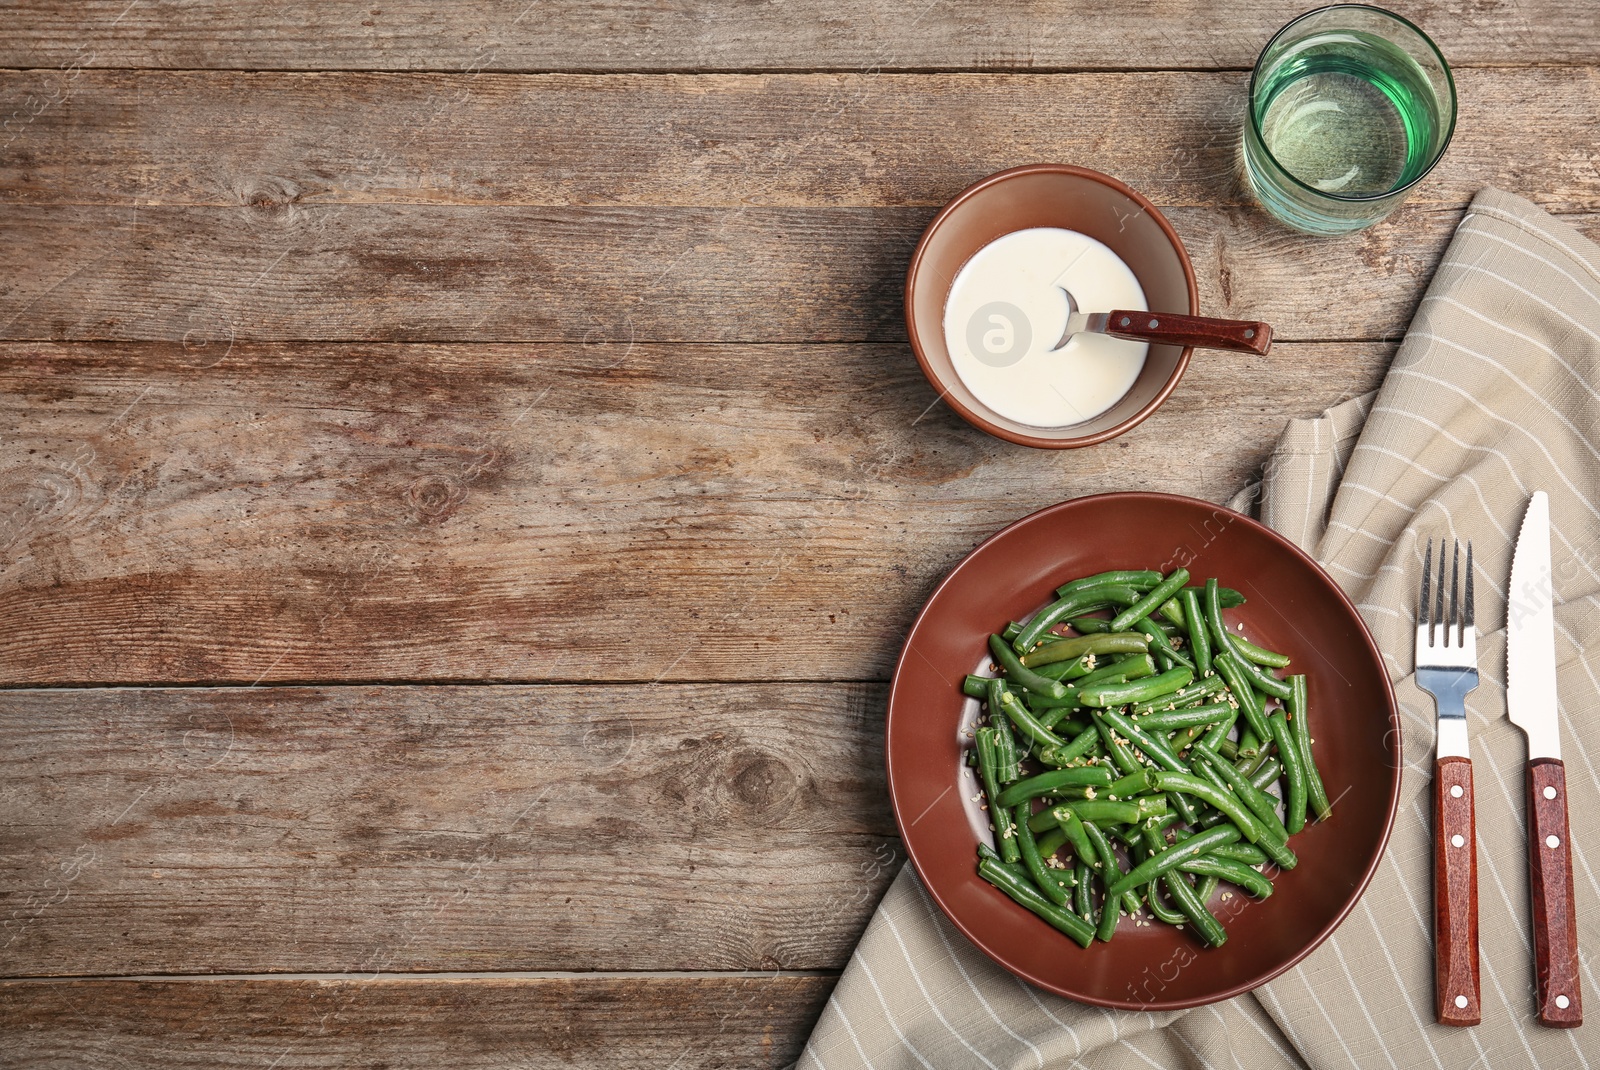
(1051, 195)
(1293, 606)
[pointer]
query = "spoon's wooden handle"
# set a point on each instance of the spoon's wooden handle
(1244, 336)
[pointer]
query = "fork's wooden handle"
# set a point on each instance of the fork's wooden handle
(1244, 336)
(1455, 895)
(1555, 921)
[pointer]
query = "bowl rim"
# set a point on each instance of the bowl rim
(1396, 766)
(978, 419)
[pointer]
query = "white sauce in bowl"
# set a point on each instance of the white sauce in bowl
(1006, 310)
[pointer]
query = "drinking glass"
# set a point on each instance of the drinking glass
(1350, 107)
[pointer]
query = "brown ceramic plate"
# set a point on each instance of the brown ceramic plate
(1293, 606)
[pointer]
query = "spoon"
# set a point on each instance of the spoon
(1243, 336)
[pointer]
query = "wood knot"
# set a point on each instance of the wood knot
(270, 199)
(435, 499)
(764, 783)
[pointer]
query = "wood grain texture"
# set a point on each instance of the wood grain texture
(551, 1022)
(706, 34)
(1457, 995)
(764, 275)
(270, 513)
(1555, 918)
(284, 143)
(401, 829)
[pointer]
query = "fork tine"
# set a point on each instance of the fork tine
(1469, 621)
(1454, 620)
(1438, 604)
(1422, 602)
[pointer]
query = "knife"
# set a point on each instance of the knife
(1531, 702)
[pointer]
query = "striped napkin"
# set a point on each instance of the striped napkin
(1495, 393)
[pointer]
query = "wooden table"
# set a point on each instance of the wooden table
(463, 482)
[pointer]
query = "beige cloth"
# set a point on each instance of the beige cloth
(1495, 393)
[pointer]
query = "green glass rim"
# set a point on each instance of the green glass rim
(1361, 198)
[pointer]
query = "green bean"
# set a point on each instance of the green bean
(1205, 923)
(1033, 861)
(1110, 871)
(1227, 597)
(1267, 773)
(1133, 784)
(1194, 619)
(1097, 625)
(975, 686)
(1250, 704)
(1294, 774)
(1073, 604)
(1230, 871)
(1209, 793)
(1116, 811)
(1016, 885)
(1192, 695)
(1270, 659)
(1261, 679)
(1248, 853)
(1018, 714)
(1062, 756)
(1154, 748)
(1133, 667)
(1020, 674)
(1083, 891)
(1160, 909)
(1121, 754)
(1166, 858)
(1191, 716)
(1004, 834)
(1067, 670)
(1151, 601)
(1221, 638)
(1048, 783)
(1161, 644)
(1315, 791)
(1217, 734)
(1007, 754)
(1142, 579)
(1109, 694)
(1260, 803)
(1119, 642)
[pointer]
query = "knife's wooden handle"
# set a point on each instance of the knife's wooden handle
(1455, 895)
(1244, 336)
(1555, 921)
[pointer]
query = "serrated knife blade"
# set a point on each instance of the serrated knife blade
(1531, 704)
(1531, 634)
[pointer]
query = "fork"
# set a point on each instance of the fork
(1447, 669)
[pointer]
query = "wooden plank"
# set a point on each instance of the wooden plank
(556, 1022)
(603, 512)
(520, 274)
(702, 34)
(287, 142)
(406, 829)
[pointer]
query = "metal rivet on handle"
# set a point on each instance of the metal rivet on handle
(1456, 792)
(1563, 1002)
(1154, 324)
(1249, 332)
(1461, 1001)
(1552, 841)
(1458, 840)
(1126, 321)
(1549, 793)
